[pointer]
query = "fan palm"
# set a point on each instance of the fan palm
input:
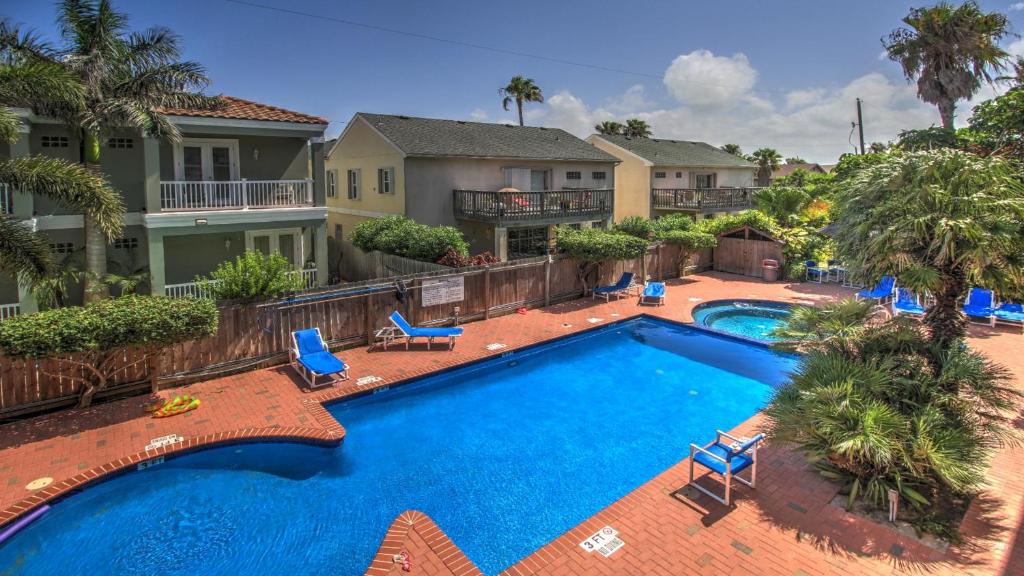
(940, 221)
(610, 128)
(637, 128)
(950, 51)
(768, 160)
(733, 149)
(520, 90)
(783, 203)
(127, 79)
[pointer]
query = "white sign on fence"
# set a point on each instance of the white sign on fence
(443, 291)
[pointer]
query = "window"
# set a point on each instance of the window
(679, 174)
(386, 180)
(62, 247)
(54, 142)
(337, 232)
(332, 183)
(126, 243)
(354, 182)
(598, 175)
(526, 242)
(573, 175)
(121, 143)
(659, 174)
(704, 180)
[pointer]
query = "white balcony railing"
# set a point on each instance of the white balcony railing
(179, 195)
(6, 200)
(195, 290)
(9, 311)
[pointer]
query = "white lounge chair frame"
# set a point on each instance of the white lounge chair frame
(308, 375)
(728, 476)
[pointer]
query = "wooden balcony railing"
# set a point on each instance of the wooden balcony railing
(180, 195)
(548, 206)
(703, 199)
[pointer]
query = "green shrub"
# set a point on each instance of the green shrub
(253, 276)
(637, 226)
(672, 222)
(95, 335)
(401, 236)
(592, 246)
(689, 243)
(753, 218)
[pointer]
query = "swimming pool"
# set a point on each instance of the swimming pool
(751, 319)
(504, 455)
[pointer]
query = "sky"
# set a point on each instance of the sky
(782, 74)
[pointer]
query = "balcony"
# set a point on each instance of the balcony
(703, 199)
(544, 207)
(185, 196)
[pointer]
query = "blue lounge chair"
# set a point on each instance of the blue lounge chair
(980, 303)
(653, 291)
(814, 272)
(312, 359)
(623, 286)
(836, 270)
(907, 302)
(409, 332)
(881, 292)
(727, 460)
(1010, 313)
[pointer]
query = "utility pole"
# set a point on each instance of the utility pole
(860, 125)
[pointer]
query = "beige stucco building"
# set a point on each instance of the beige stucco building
(504, 186)
(656, 177)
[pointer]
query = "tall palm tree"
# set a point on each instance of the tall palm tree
(950, 51)
(733, 149)
(127, 78)
(637, 128)
(29, 78)
(940, 221)
(768, 160)
(610, 128)
(520, 90)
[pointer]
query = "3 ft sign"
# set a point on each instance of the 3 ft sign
(606, 541)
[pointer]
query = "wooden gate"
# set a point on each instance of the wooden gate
(741, 251)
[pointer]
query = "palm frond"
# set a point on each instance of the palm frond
(24, 253)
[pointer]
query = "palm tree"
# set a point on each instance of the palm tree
(127, 78)
(783, 203)
(520, 90)
(795, 160)
(610, 128)
(29, 78)
(768, 161)
(637, 128)
(733, 149)
(950, 51)
(940, 221)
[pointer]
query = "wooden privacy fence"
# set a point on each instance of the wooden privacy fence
(356, 265)
(255, 335)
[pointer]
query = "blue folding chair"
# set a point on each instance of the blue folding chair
(881, 292)
(654, 293)
(727, 460)
(312, 359)
(980, 303)
(410, 332)
(814, 273)
(907, 303)
(623, 286)
(1010, 313)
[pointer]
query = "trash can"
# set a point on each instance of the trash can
(770, 270)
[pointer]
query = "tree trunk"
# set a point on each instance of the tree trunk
(95, 242)
(519, 105)
(946, 111)
(945, 323)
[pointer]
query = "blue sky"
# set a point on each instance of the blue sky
(781, 74)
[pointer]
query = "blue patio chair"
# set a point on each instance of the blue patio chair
(1010, 313)
(906, 302)
(836, 270)
(409, 332)
(623, 286)
(654, 293)
(881, 292)
(727, 460)
(312, 359)
(814, 273)
(980, 303)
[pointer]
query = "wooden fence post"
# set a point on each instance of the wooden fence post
(661, 274)
(487, 292)
(547, 282)
(369, 319)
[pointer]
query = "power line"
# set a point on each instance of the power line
(464, 44)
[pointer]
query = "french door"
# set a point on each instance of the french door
(286, 241)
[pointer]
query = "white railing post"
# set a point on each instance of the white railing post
(234, 194)
(9, 311)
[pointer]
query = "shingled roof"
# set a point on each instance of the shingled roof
(239, 109)
(456, 138)
(678, 152)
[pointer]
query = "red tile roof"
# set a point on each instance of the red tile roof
(238, 109)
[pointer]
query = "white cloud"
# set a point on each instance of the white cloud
(702, 79)
(799, 98)
(478, 114)
(1017, 7)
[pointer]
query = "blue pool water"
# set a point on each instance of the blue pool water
(504, 456)
(753, 319)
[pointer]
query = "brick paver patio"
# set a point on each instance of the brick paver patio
(788, 526)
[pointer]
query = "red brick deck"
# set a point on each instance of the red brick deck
(786, 527)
